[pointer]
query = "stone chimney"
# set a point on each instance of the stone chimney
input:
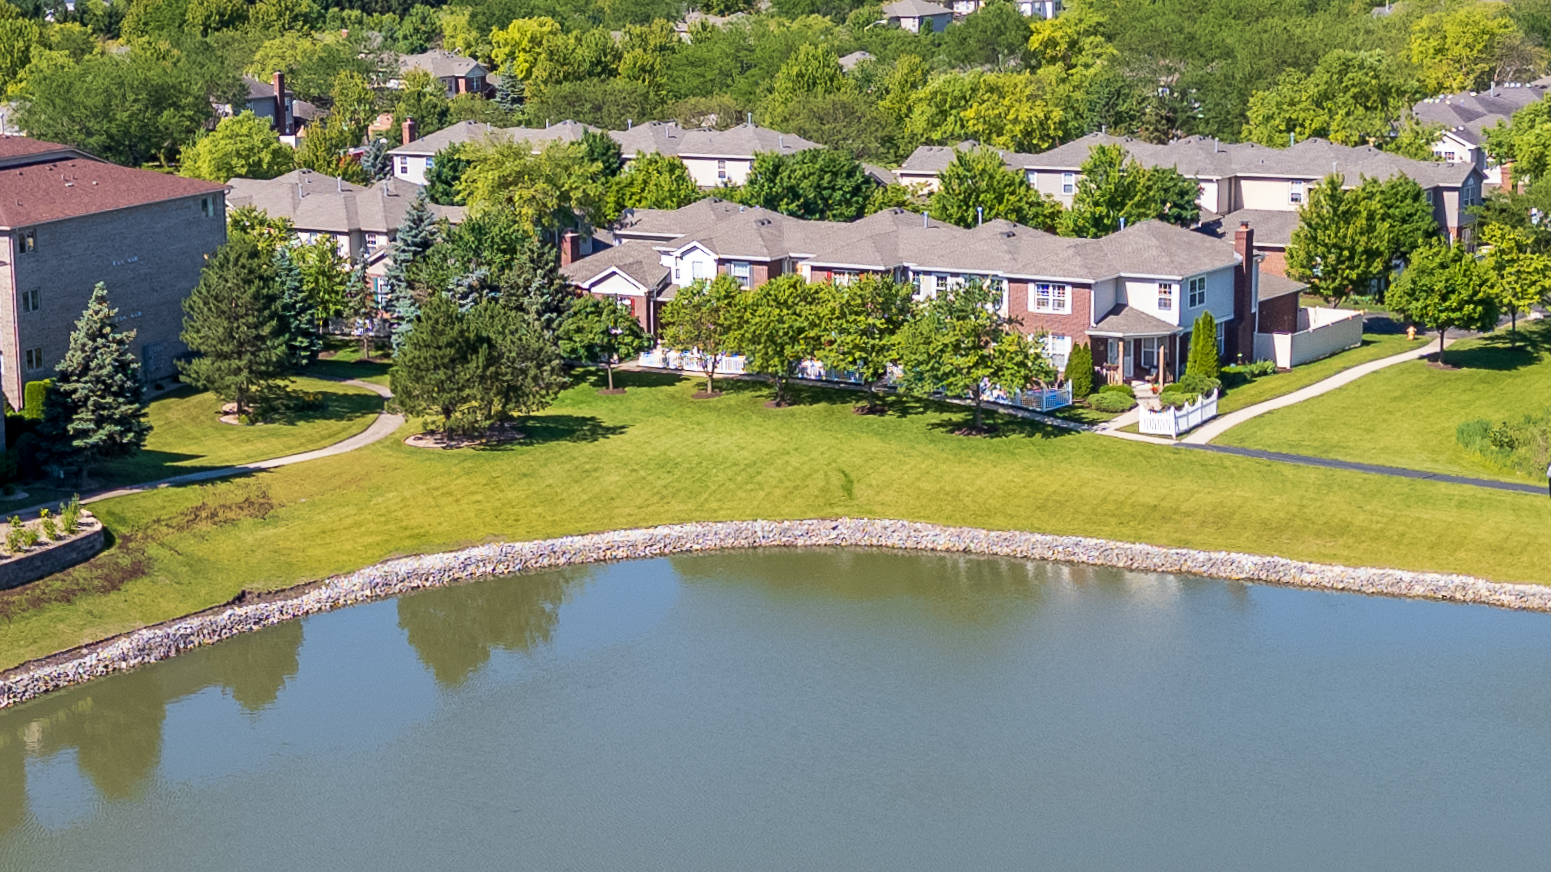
(409, 130)
(1241, 341)
(570, 248)
(282, 118)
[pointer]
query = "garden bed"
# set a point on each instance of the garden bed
(47, 544)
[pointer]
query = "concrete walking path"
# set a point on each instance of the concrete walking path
(381, 428)
(1220, 425)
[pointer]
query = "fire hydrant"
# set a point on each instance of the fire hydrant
(1411, 332)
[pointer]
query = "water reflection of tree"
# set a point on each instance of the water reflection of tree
(114, 725)
(964, 588)
(454, 629)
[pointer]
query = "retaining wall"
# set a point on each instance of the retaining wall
(41, 563)
(400, 576)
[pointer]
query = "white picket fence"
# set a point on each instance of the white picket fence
(1169, 421)
(1046, 400)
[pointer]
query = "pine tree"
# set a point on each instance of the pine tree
(1079, 371)
(298, 315)
(509, 92)
(1203, 348)
(431, 371)
(361, 308)
(416, 234)
(93, 411)
(376, 161)
(233, 323)
(534, 285)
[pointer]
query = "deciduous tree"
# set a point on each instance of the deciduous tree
(1521, 277)
(816, 184)
(1445, 287)
(652, 181)
(602, 331)
(861, 323)
(242, 146)
(698, 323)
(776, 326)
(93, 411)
(1114, 192)
(1339, 246)
(1351, 97)
(978, 186)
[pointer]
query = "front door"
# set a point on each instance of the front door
(1129, 368)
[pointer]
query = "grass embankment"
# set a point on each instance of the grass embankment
(656, 456)
(1375, 346)
(187, 436)
(1406, 415)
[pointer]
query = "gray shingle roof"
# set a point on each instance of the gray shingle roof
(1470, 115)
(638, 260)
(1122, 320)
(476, 131)
(1273, 286)
(318, 203)
(1272, 227)
(441, 64)
(913, 9)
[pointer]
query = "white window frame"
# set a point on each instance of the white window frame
(1059, 349)
(1195, 294)
(1295, 192)
(843, 278)
(1222, 335)
(1149, 356)
(1051, 299)
(721, 171)
(31, 300)
(926, 284)
(403, 165)
(698, 270)
(32, 359)
(1068, 183)
(1166, 294)
(742, 271)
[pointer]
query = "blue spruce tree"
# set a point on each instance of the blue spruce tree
(509, 92)
(298, 315)
(416, 235)
(377, 163)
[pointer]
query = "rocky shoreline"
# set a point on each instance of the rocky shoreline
(394, 577)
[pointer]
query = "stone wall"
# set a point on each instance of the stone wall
(434, 570)
(43, 562)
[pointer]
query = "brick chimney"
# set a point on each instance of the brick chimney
(1507, 183)
(409, 130)
(1242, 340)
(282, 120)
(570, 248)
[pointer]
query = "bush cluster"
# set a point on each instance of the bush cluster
(1522, 446)
(1113, 401)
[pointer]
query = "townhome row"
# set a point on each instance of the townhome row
(69, 221)
(713, 157)
(1239, 181)
(1133, 296)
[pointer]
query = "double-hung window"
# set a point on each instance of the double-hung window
(843, 277)
(1195, 291)
(33, 359)
(699, 269)
(1150, 352)
(1055, 299)
(403, 166)
(926, 285)
(739, 269)
(371, 241)
(1068, 183)
(1295, 191)
(1221, 336)
(1166, 296)
(30, 300)
(721, 171)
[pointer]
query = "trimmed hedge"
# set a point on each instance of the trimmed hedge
(33, 395)
(1079, 370)
(1111, 401)
(1118, 389)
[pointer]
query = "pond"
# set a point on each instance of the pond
(810, 710)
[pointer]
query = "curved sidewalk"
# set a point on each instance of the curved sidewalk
(381, 428)
(1218, 426)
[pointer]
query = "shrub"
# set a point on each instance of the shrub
(33, 396)
(1112, 401)
(1118, 389)
(50, 529)
(1471, 434)
(1523, 446)
(1079, 370)
(16, 536)
(1203, 347)
(1197, 384)
(70, 515)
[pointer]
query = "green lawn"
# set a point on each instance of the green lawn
(1406, 415)
(656, 456)
(187, 435)
(1375, 346)
(343, 360)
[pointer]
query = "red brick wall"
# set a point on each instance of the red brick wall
(1275, 261)
(1279, 315)
(1075, 325)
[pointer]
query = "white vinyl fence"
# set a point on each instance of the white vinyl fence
(1321, 333)
(1169, 421)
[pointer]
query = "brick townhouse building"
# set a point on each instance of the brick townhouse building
(1132, 296)
(69, 221)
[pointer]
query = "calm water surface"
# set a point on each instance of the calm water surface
(810, 710)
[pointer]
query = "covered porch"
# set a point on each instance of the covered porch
(1131, 346)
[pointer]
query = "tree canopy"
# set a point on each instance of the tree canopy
(978, 186)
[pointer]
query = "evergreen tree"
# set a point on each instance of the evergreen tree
(233, 323)
(360, 308)
(416, 234)
(298, 316)
(441, 180)
(1203, 348)
(93, 410)
(430, 370)
(509, 92)
(516, 368)
(1079, 370)
(534, 285)
(377, 163)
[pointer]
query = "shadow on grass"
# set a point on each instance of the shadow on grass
(338, 407)
(999, 426)
(1503, 351)
(544, 429)
(346, 369)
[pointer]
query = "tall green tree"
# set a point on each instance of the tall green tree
(516, 369)
(298, 316)
(1351, 97)
(861, 323)
(376, 162)
(816, 184)
(1202, 359)
(1115, 192)
(1521, 276)
(602, 331)
(242, 146)
(431, 367)
(776, 327)
(978, 186)
(533, 285)
(234, 326)
(1339, 246)
(1445, 287)
(600, 148)
(960, 344)
(1470, 46)
(812, 73)
(423, 98)
(441, 181)
(416, 234)
(699, 321)
(652, 181)
(554, 189)
(93, 411)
